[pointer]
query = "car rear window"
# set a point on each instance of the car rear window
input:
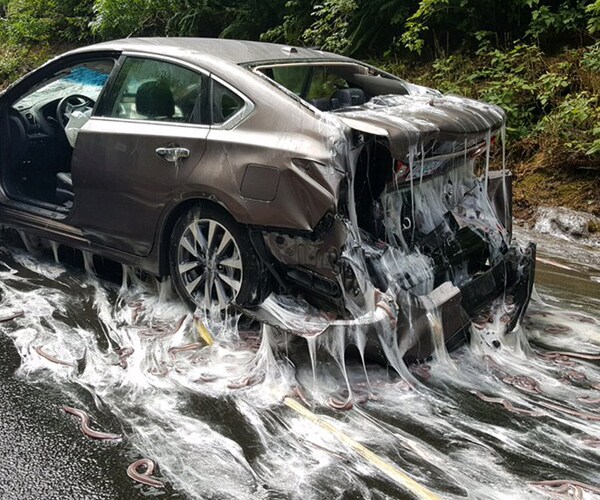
(293, 78)
(331, 86)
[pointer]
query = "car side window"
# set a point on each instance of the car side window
(148, 89)
(225, 103)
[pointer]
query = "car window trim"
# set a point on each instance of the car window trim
(108, 86)
(324, 62)
(230, 123)
(152, 122)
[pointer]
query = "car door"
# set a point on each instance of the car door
(34, 143)
(147, 135)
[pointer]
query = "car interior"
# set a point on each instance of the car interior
(37, 166)
(330, 87)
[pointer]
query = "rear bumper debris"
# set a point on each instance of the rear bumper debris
(494, 300)
(498, 295)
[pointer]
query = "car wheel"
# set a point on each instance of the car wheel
(213, 262)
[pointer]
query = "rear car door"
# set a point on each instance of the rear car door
(147, 135)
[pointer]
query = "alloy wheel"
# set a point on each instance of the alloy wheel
(209, 263)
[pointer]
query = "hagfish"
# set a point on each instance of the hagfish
(564, 486)
(336, 404)
(507, 404)
(51, 358)
(13, 316)
(85, 425)
(187, 347)
(146, 476)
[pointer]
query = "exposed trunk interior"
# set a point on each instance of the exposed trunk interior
(442, 212)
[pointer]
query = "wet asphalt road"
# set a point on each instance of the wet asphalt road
(44, 455)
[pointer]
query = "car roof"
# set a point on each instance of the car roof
(241, 52)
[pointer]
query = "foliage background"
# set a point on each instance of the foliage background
(538, 59)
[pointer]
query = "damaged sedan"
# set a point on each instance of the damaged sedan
(310, 190)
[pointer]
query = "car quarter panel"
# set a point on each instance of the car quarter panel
(277, 133)
(297, 200)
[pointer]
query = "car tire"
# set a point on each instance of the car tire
(226, 268)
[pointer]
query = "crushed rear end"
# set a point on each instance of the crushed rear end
(424, 232)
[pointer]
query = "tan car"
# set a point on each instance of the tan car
(244, 168)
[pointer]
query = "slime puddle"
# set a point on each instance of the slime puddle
(421, 244)
(214, 420)
(228, 410)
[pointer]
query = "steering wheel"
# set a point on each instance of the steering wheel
(70, 103)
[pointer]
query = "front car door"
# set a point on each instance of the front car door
(147, 135)
(34, 131)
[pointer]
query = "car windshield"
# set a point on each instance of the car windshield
(86, 79)
(332, 86)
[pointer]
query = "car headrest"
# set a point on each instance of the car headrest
(322, 104)
(343, 98)
(154, 99)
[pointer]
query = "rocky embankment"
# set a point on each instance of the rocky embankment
(566, 224)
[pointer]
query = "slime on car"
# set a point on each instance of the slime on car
(320, 195)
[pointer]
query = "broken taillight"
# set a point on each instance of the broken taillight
(401, 170)
(481, 148)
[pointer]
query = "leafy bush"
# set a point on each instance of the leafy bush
(591, 59)
(549, 20)
(116, 18)
(298, 16)
(442, 26)
(34, 21)
(573, 127)
(330, 30)
(16, 61)
(593, 11)
(246, 19)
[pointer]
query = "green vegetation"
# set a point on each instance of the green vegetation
(538, 59)
(553, 106)
(17, 60)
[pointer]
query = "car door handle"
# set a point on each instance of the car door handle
(173, 155)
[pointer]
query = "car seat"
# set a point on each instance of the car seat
(342, 98)
(154, 100)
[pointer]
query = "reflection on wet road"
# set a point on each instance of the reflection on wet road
(229, 420)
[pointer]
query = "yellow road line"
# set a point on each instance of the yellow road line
(390, 470)
(204, 333)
